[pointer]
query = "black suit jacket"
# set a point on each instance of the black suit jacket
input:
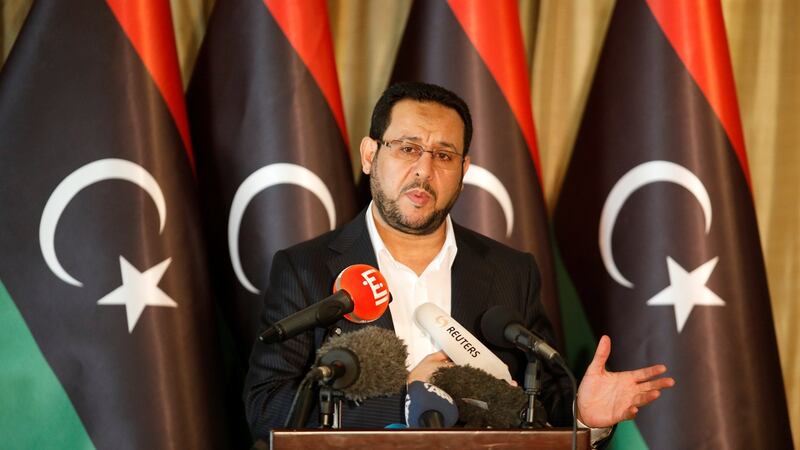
(484, 273)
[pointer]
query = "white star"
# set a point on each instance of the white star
(687, 290)
(138, 290)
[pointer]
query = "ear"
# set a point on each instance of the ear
(466, 167)
(367, 148)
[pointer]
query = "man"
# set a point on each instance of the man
(416, 156)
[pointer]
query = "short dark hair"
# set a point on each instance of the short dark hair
(421, 92)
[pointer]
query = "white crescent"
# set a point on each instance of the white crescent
(93, 172)
(482, 178)
(641, 175)
(263, 178)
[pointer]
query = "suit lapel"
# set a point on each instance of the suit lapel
(353, 246)
(470, 282)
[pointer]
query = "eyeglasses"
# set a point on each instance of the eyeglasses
(410, 152)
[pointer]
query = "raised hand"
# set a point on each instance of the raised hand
(606, 398)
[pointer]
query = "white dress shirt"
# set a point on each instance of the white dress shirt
(409, 290)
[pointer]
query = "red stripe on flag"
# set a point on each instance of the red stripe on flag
(305, 24)
(696, 30)
(494, 30)
(148, 25)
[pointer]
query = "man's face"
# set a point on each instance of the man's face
(414, 196)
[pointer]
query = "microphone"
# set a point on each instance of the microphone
(361, 295)
(501, 327)
(428, 406)
(369, 291)
(482, 400)
(370, 362)
(458, 343)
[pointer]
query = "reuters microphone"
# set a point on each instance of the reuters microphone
(361, 295)
(458, 343)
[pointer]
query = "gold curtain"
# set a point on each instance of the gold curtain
(12, 14)
(764, 38)
(563, 39)
(367, 36)
(567, 45)
(189, 17)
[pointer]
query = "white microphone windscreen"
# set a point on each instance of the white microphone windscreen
(458, 343)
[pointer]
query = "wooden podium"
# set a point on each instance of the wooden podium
(456, 439)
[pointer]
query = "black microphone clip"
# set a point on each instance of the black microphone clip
(529, 342)
(338, 368)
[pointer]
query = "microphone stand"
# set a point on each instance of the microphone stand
(330, 399)
(330, 407)
(303, 401)
(533, 387)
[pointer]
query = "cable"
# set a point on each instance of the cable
(301, 388)
(563, 365)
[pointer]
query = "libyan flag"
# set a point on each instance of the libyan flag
(272, 159)
(106, 323)
(657, 230)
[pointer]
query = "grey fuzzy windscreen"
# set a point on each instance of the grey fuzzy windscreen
(482, 400)
(381, 358)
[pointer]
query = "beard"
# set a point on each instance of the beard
(391, 214)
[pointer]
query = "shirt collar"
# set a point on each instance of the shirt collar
(446, 253)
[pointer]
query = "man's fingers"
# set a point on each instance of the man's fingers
(438, 356)
(649, 372)
(601, 355)
(429, 365)
(661, 383)
(645, 397)
(441, 355)
(630, 413)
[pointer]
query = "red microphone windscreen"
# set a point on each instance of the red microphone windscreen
(367, 288)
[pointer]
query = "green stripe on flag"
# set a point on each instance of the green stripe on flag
(35, 411)
(580, 343)
(627, 437)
